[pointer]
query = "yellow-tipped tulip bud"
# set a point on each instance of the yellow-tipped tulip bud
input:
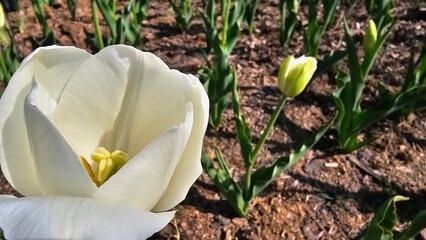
(295, 74)
(370, 37)
(2, 16)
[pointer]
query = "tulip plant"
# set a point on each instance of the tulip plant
(352, 119)
(314, 30)
(250, 13)
(9, 61)
(72, 6)
(101, 146)
(294, 75)
(288, 10)
(380, 10)
(415, 77)
(48, 36)
(350, 86)
(183, 13)
(123, 29)
(384, 222)
(218, 76)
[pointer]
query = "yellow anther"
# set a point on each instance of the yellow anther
(100, 154)
(89, 170)
(119, 157)
(105, 168)
(109, 164)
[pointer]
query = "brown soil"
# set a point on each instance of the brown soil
(325, 195)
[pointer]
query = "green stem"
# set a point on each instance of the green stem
(225, 23)
(268, 128)
(3, 67)
(114, 6)
(98, 32)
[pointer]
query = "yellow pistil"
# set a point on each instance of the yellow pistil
(109, 164)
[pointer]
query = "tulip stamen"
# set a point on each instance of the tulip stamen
(89, 170)
(108, 164)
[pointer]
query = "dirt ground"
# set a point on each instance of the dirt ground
(324, 196)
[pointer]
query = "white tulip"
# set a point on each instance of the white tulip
(102, 146)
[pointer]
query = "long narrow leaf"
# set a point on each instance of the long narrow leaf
(357, 77)
(381, 227)
(226, 184)
(72, 6)
(389, 105)
(109, 16)
(243, 131)
(262, 177)
(329, 60)
(329, 10)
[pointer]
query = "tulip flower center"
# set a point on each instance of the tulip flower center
(108, 164)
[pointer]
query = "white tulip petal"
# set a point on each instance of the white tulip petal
(144, 179)
(76, 218)
(92, 99)
(52, 67)
(154, 102)
(58, 168)
(189, 166)
(124, 99)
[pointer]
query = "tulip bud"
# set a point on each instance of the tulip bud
(4, 34)
(2, 16)
(370, 37)
(295, 7)
(295, 74)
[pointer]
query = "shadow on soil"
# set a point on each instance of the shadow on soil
(366, 201)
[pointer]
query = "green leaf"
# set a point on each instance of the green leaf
(237, 13)
(312, 38)
(383, 223)
(289, 22)
(328, 61)
(233, 36)
(390, 104)
(226, 184)
(220, 85)
(250, 13)
(109, 16)
(209, 23)
(416, 226)
(329, 11)
(234, 22)
(344, 102)
(262, 177)
(72, 7)
(357, 77)
(243, 131)
(47, 32)
(183, 14)
(216, 110)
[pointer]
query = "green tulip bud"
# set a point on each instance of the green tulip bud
(295, 8)
(295, 74)
(370, 37)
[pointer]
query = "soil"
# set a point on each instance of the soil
(325, 195)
